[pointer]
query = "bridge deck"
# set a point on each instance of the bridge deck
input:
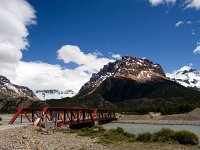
(73, 117)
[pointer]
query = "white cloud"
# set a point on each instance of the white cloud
(97, 53)
(70, 53)
(189, 22)
(116, 56)
(193, 32)
(178, 23)
(192, 4)
(197, 49)
(40, 75)
(158, 2)
(187, 3)
(15, 16)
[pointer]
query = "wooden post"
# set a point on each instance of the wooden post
(71, 116)
(21, 118)
(78, 119)
(83, 115)
(32, 113)
(64, 117)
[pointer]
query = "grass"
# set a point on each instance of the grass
(186, 137)
(144, 137)
(164, 135)
(119, 136)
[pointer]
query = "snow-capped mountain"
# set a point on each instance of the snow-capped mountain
(186, 76)
(54, 94)
(8, 89)
(139, 69)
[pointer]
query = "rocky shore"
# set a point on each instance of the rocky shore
(29, 138)
(191, 118)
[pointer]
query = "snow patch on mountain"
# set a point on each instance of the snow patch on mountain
(54, 94)
(139, 69)
(12, 90)
(186, 76)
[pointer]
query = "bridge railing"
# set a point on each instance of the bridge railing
(74, 117)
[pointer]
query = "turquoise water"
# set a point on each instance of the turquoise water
(6, 118)
(141, 128)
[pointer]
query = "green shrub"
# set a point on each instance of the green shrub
(116, 135)
(163, 135)
(186, 137)
(144, 137)
(119, 130)
(99, 128)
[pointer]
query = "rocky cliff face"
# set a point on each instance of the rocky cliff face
(141, 70)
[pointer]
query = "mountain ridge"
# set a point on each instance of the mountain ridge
(142, 85)
(135, 85)
(140, 69)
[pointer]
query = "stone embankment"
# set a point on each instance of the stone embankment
(191, 118)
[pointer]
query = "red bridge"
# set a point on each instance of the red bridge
(73, 117)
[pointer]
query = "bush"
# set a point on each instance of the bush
(186, 137)
(99, 128)
(163, 135)
(119, 130)
(144, 137)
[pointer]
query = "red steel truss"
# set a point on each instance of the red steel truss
(73, 117)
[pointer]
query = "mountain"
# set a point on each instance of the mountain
(9, 89)
(54, 94)
(186, 76)
(137, 69)
(133, 85)
(138, 85)
(13, 96)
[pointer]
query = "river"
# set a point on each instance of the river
(128, 127)
(141, 128)
(6, 118)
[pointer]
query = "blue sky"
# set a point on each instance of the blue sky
(131, 27)
(52, 44)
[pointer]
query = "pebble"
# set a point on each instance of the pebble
(29, 139)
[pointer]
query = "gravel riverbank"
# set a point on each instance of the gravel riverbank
(191, 118)
(28, 138)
